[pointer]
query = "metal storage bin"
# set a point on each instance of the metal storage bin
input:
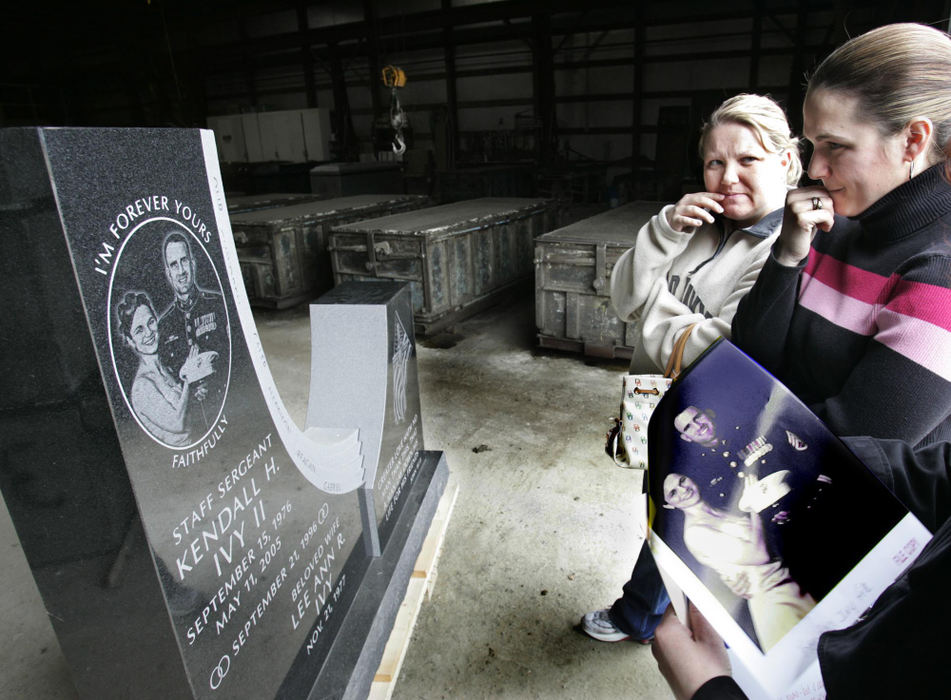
(572, 282)
(283, 250)
(457, 257)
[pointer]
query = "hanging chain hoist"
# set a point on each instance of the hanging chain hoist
(394, 78)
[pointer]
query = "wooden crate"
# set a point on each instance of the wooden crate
(458, 258)
(572, 282)
(419, 590)
(283, 250)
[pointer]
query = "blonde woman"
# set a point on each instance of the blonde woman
(691, 264)
(695, 260)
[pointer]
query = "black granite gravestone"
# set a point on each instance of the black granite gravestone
(195, 542)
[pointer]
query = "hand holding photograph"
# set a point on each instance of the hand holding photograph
(765, 520)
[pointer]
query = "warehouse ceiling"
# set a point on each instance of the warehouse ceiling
(151, 62)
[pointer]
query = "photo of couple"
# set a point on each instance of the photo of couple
(171, 336)
(748, 490)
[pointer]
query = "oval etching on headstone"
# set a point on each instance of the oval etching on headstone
(169, 332)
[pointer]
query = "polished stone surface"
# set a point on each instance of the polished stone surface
(187, 537)
(542, 516)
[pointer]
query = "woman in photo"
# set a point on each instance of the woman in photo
(159, 399)
(734, 546)
(862, 660)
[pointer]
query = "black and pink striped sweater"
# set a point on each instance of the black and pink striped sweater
(861, 330)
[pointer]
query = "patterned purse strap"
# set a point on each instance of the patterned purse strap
(677, 355)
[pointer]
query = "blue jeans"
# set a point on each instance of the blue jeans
(638, 611)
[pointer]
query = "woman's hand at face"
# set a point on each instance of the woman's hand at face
(807, 210)
(693, 210)
(688, 658)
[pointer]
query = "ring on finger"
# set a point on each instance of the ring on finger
(816, 203)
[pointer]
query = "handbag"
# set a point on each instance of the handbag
(640, 393)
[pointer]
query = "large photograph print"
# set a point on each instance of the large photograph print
(762, 516)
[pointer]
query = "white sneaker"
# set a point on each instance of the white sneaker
(597, 624)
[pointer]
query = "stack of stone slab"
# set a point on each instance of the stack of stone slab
(457, 258)
(188, 539)
(572, 282)
(283, 250)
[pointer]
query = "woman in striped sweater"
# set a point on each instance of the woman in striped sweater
(852, 310)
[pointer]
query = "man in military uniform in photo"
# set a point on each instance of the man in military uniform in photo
(196, 317)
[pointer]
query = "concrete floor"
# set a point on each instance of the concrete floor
(543, 530)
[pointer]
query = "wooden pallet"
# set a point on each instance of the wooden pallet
(420, 588)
